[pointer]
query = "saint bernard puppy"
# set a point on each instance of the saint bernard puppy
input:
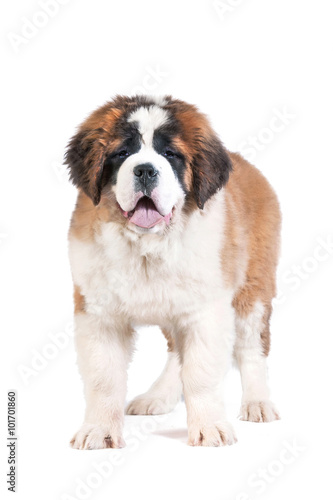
(169, 229)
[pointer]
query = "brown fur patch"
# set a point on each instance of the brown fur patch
(88, 149)
(206, 157)
(265, 334)
(87, 218)
(253, 219)
(102, 118)
(79, 302)
(169, 339)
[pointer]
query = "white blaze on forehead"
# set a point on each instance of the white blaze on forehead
(160, 100)
(148, 120)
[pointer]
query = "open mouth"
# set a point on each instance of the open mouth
(145, 214)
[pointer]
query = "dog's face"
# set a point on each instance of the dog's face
(150, 156)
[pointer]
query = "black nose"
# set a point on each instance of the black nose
(146, 170)
(146, 174)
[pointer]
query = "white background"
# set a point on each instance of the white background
(240, 67)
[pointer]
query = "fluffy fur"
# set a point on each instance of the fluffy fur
(173, 230)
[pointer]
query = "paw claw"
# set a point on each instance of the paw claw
(258, 411)
(95, 437)
(215, 434)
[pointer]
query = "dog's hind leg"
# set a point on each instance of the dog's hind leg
(165, 392)
(251, 350)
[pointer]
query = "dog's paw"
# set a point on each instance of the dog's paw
(147, 404)
(258, 411)
(96, 437)
(216, 434)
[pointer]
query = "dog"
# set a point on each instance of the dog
(169, 229)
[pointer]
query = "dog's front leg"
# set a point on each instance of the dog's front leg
(104, 350)
(205, 347)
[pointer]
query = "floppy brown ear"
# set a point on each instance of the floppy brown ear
(211, 167)
(85, 159)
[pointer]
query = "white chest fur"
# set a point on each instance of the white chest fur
(149, 277)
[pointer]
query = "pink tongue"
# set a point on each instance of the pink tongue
(146, 215)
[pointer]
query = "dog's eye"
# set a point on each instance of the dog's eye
(169, 154)
(122, 154)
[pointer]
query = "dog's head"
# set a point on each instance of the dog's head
(150, 156)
